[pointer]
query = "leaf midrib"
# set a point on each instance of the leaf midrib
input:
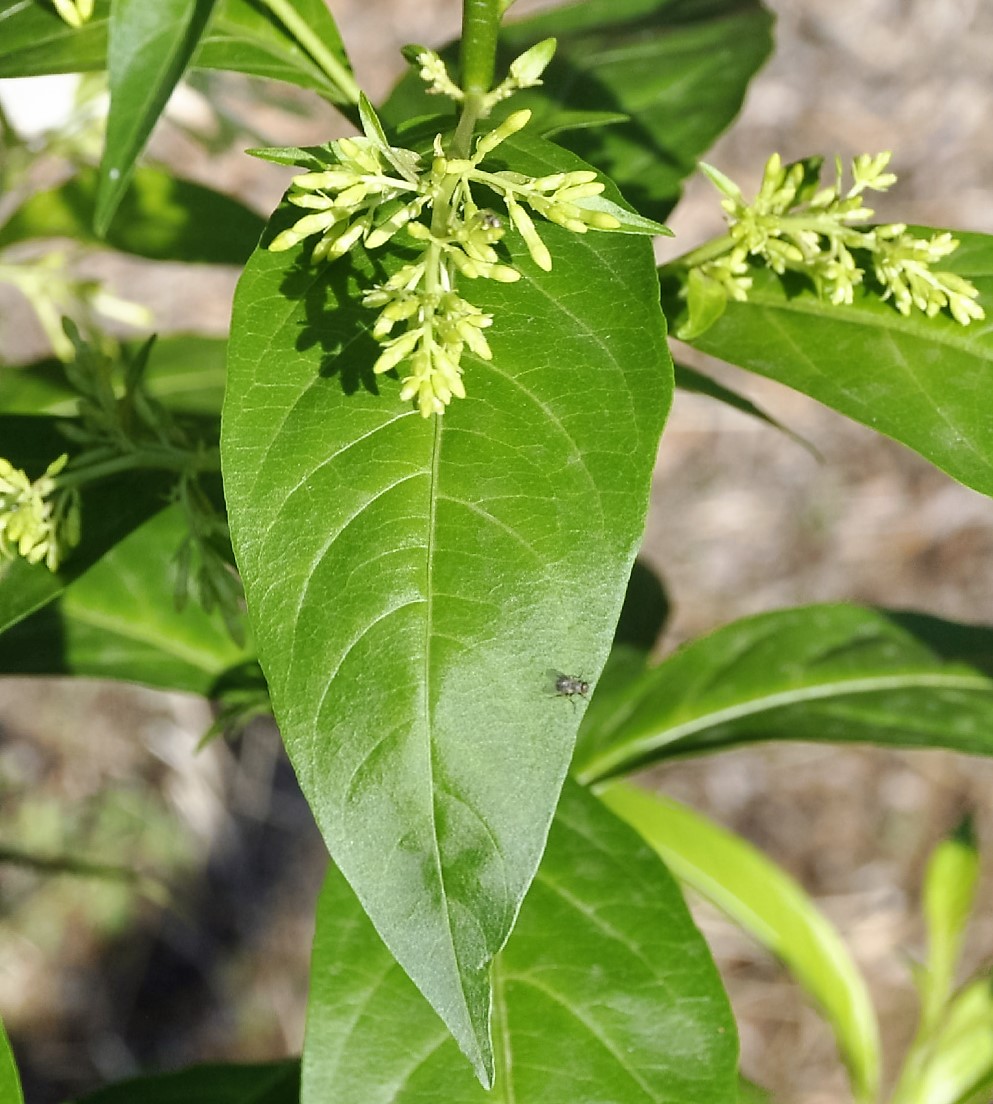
(638, 747)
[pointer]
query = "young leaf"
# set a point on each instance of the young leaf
(150, 46)
(677, 71)
(605, 991)
(10, 1081)
(412, 581)
(956, 1064)
(264, 1083)
(919, 380)
(826, 673)
(771, 907)
(948, 897)
(120, 621)
(159, 217)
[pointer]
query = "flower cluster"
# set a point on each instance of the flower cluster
(795, 224)
(38, 520)
(372, 191)
(74, 12)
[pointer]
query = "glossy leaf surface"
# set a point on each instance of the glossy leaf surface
(677, 68)
(120, 621)
(160, 217)
(923, 381)
(149, 48)
(414, 584)
(242, 37)
(268, 1083)
(185, 373)
(605, 992)
(832, 673)
(771, 907)
(111, 510)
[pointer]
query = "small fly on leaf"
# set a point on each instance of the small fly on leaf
(569, 686)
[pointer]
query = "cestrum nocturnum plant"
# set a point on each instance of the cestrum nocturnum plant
(371, 192)
(74, 12)
(795, 224)
(38, 520)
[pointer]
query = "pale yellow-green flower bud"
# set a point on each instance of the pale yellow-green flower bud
(525, 227)
(399, 348)
(511, 125)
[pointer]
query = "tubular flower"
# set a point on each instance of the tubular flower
(37, 521)
(371, 192)
(794, 224)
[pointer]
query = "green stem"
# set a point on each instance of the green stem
(141, 459)
(285, 11)
(709, 251)
(480, 23)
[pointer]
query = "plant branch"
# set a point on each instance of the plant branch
(480, 23)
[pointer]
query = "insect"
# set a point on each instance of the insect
(568, 686)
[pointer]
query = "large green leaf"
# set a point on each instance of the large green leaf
(121, 621)
(605, 992)
(413, 583)
(833, 673)
(149, 48)
(10, 1081)
(677, 68)
(242, 37)
(265, 1083)
(159, 217)
(185, 373)
(111, 510)
(925, 382)
(772, 908)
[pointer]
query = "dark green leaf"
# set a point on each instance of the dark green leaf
(185, 373)
(772, 908)
(159, 217)
(827, 673)
(149, 48)
(677, 68)
(242, 37)
(605, 992)
(697, 383)
(413, 582)
(120, 621)
(267, 1083)
(923, 381)
(111, 510)
(10, 1082)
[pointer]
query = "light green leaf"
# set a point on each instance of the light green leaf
(956, 1064)
(243, 37)
(413, 582)
(948, 898)
(922, 381)
(834, 673)
(120, 621)
(159, 217)
(771, 907)
(10, 1081)
(111, 510)
(605, 992)
(678, 69)
(149, 48)
(186, 374)
(265, 1083)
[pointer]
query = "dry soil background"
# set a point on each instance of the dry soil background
(742, 520)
